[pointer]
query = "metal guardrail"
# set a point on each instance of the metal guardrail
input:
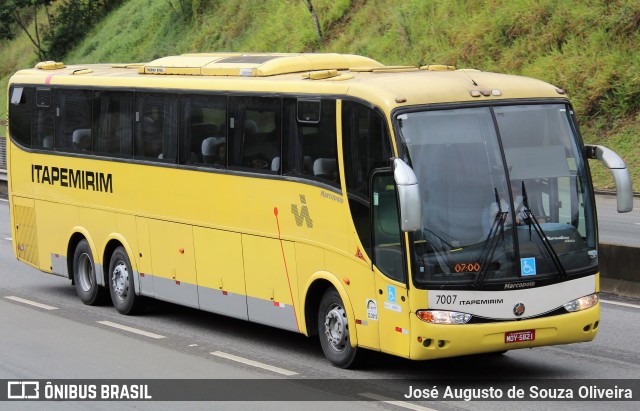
(3, 158)
(3, 153)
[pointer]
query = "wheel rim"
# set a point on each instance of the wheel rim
(85, 272)
(335, 328)
(120, 280)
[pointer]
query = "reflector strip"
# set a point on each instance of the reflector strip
(281, 305)
(402, 330)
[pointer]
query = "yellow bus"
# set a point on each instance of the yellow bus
(424, 212)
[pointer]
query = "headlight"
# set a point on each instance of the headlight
(582, 303)
(443, 317)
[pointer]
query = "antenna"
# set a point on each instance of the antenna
(472, 80)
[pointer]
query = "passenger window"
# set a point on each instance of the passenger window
(311, 142)
(42, 121)
(113, 126)
(20, 114)
(156, 127)
(366, 146)
(203, 131)
(73, 120)
(256, 137)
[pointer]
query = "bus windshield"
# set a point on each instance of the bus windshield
(505, 195)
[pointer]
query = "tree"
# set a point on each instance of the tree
(73, 19)
(17, 12)
(184, 9)
(316, 22)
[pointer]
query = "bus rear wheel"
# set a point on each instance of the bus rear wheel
(333, 329)
(84, 276)
(121, 285)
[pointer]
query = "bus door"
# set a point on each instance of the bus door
(389, 263)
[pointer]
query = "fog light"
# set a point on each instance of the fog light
(582, 303)
(443, 317)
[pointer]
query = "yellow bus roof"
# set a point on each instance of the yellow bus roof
(300, 73)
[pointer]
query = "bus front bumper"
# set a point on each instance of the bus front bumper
(430, 341)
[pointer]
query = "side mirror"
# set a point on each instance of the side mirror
(408, 196)
(624, 189)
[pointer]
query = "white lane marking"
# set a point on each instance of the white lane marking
(619, 303)
(8, 238)
(35, 304)
(2, 199)
(402, 404)
(253, 363)
(131, 329)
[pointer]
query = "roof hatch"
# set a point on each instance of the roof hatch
(255, 64)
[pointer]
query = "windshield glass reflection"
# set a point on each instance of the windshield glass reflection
(477, 223)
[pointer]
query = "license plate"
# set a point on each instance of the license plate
(519, 336)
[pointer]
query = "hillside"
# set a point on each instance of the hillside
(588, 48)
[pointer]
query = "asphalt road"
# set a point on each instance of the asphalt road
(618, 228)
(78, 341)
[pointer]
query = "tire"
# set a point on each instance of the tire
(84, 276)
(121, 285)
(333, 329)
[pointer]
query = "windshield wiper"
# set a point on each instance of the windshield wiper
(490, 245)
(531, 220)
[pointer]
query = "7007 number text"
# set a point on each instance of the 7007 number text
(446, 299)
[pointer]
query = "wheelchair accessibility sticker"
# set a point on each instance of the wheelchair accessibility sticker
(391, 293)
(528, 266)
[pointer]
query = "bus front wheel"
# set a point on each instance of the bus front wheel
(84, 276)
(121, 283)
(333, 328)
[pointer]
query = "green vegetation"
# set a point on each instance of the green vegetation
(589, 48)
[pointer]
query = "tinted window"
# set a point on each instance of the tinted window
(388, 255)
(112, 124)
(203, 130)
(311, 148)
(20, 114)
(366, 146)
(42, 120)
(255, 130)
(156, 126)
(73, 120)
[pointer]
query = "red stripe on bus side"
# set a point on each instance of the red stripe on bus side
(295, 314)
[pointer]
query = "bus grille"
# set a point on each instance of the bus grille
(26, 234)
